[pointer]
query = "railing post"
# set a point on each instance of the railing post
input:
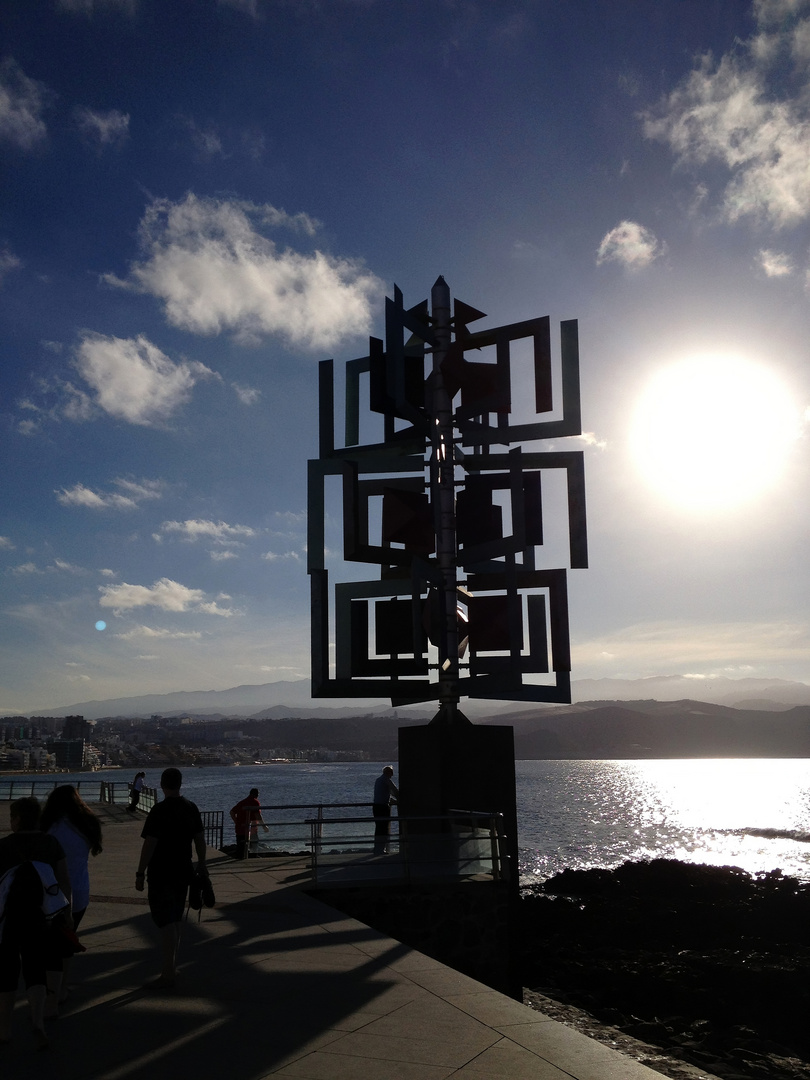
(404, 846)
(494, 853)
(314, 837)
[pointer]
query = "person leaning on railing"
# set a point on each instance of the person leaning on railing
(246, 817)
(135, 791)
(385, 793)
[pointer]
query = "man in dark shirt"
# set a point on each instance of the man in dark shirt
(170, 829)
(385, 793)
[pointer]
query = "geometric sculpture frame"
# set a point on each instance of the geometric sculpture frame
(512, 621)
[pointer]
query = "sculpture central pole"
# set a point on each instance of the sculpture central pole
(443, 497)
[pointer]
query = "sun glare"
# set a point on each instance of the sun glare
(713, 432)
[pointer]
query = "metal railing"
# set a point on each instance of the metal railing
(214, 827)
(146, 800)
(91, 790)
(345, 850)
(285, 832)
(463, 844)
(109, 793)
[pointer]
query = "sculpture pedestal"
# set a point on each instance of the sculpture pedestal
(460, 767)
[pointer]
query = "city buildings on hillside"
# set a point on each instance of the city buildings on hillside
(73, 744)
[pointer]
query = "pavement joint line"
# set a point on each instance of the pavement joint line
(152, 1056)
(137, 900)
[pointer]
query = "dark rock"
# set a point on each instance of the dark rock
(710, 963)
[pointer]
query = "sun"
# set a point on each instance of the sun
(713, 432)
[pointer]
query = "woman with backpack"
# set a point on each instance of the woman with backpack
(32, 865)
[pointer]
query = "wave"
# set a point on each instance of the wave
(778, 834)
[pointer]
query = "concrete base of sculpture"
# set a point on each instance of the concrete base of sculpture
(460, 766)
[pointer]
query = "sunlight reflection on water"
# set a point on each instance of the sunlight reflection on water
(752, 813)
(583, 814)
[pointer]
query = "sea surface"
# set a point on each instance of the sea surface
(750, 813)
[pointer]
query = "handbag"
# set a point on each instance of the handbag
(200, 891)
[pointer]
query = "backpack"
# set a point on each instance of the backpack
(27, 886)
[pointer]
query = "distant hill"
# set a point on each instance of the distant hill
(288, 698)
(292, 698)
(640, 727)
(656, 729)
(739, 693)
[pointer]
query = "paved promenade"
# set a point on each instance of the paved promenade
(275, 983)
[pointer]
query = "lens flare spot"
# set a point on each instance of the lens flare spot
(101, 625)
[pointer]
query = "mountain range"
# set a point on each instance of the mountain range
(293, 699)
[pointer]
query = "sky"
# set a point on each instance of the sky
(199, 201)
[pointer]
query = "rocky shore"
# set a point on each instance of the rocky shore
(681, 966)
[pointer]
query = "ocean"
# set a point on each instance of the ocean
(750, 813)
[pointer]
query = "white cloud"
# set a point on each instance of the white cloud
(774, 11)
(630, 244)
(221, 556)
(742, 113)
(22, 102)
(109, 128)
(133, 380)
(215, 271)
(675, 646)
(775, 263)
(218, 531)
(79, 495)
(6, 544)
(206, 141)
(291, 517)
(212, 608)
(8, 262)
(271, 556)
(141, 489)
(590, 438)
(62, 564)
(165, 594)
(800, 42)
(165, 635)
(248, 395)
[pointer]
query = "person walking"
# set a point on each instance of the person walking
(68, 818)
(25, 856)
(247, 817)
(171, 828)
(385, 793)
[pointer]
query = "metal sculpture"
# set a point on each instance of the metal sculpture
(462, 604)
